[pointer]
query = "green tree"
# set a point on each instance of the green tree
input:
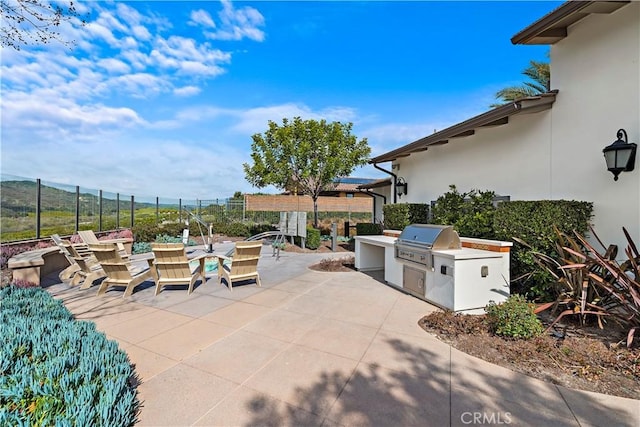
(540, 75)
(305, 156)
(26, 22)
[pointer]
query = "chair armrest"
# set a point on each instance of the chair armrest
(200, 256)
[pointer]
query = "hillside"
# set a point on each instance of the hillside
(18, 198)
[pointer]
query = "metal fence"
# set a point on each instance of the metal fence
(33, 209)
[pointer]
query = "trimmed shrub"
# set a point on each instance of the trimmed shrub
(313, 238)
(470, 213)
(418, 213)
(533, 222)
(237, 229)
(368, 229)
(261, 228)
(145, 232)
(173, 229)
(514, 318)
(58, 371)
(397, 216)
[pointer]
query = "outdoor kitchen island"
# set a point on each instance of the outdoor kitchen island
(432, 263)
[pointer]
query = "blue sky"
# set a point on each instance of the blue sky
(160, 98)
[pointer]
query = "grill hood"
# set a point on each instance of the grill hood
(429, 236)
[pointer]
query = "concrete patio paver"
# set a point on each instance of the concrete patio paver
(310, 304)
(238, 356)
(283, 325)
(375, 396)
(424, 357)
(595, 409)
(339, 338)
(147, 363)
(469, 407)
(180, 396)
(270, 298)
(187, 339)
(304, 377)
(246, 407)
(405, 314)
(146, 326)
(199, 305)
(236, 315)
(313, 348)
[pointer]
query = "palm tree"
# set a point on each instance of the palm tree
(539, 72)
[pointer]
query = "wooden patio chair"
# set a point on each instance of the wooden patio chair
(119, 271)
(243, 265)
(171, 266)
(70, 271)
(90, 238)
(89, 270)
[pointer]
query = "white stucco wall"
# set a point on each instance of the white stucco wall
(488, 160)
(380, 202)
(557, 154)
(597, 70)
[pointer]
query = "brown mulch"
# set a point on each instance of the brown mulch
(584, 358)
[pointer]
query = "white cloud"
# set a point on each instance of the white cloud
(237, 24)
(114, 66)
(186, 91)
(141, 33)
(201, 17)
(185, 55)
(28, 114)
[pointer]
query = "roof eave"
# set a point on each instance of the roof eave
(384, 182)
(552, 27)
(496, 117)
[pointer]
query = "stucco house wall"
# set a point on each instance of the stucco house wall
(511, 160)
(597, 70)
(557, 153)
(378, 215)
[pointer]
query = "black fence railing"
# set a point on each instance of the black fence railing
(32, 209)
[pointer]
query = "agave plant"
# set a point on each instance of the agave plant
(619, 282)
(576, 295)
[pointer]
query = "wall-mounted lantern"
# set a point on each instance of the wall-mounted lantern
(620, 156)
(401, 186)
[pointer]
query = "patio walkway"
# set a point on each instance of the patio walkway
(312, 348)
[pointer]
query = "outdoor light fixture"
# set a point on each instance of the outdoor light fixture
(401, 187)
(620, 156)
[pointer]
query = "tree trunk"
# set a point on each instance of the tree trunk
(315, 212)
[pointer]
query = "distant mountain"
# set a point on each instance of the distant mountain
(18, 198)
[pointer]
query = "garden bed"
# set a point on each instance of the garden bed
(584, 358)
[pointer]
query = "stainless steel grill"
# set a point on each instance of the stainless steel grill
(414, 247)
(415, 243)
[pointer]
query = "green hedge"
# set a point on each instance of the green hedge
(368, 229)
(147, 232)
(470, 213)
(58, 371)
(397, 216)
(532, 222)
(313, 238)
